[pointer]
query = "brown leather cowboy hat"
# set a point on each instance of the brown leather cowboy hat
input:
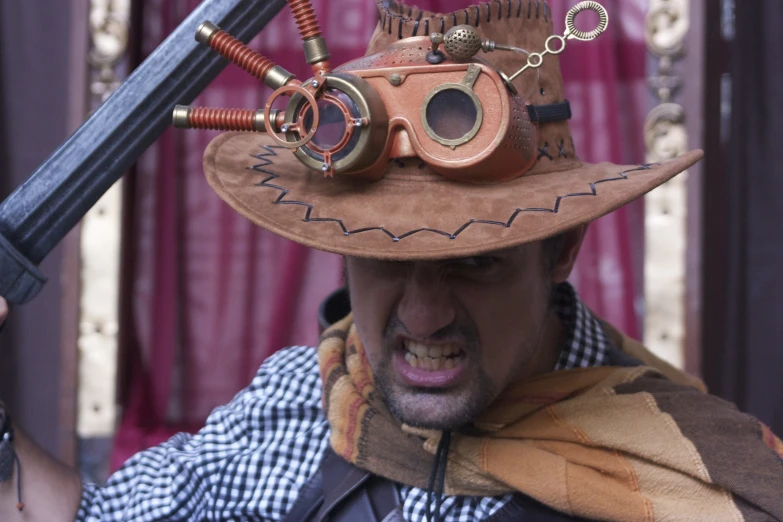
(413, 212)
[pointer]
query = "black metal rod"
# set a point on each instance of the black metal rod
(49, 204)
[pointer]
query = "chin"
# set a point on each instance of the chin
(432, 408)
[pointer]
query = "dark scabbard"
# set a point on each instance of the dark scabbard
(49, 204)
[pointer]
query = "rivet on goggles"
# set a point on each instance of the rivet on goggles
(458, 114)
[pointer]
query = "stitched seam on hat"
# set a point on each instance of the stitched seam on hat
(266, 160)
(535, 8)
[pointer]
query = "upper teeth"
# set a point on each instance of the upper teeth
(424, 350)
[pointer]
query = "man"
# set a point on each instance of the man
(469, 382)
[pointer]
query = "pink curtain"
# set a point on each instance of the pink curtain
(214, 296)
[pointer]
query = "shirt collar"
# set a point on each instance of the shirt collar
(586, 343)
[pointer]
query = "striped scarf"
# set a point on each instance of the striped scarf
(602, 443)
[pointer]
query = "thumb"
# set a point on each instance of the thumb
(3, 310)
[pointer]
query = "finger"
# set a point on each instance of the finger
(3, 310)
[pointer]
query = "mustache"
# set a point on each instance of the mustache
(459, 329)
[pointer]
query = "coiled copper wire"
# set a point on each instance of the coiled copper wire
(222, 119)
(305, 18)
(251, 61)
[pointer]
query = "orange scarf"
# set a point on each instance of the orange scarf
(603, 443)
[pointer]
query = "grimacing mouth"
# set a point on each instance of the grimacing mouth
(431, 355)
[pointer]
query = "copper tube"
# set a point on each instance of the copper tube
(322, 67)
(316, 51)
(229, 47)
(305, 18)
(220, 119)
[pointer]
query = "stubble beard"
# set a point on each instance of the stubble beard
(443, 408)
(435, 408)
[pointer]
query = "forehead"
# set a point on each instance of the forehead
(496, 262)
(515, 251)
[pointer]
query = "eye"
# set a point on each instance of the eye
(479, 262)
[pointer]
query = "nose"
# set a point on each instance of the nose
(427, 304)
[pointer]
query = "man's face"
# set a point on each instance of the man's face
(445, 338)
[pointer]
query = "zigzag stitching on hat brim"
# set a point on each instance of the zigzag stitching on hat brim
(266, 160)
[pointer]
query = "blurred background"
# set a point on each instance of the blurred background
(163, 302)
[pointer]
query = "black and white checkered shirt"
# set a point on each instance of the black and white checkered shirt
(251, 459)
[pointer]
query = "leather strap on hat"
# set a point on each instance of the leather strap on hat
(550, 113)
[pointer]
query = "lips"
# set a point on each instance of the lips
(430, 365)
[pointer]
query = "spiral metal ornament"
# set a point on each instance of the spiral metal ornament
(603, 21)
(462, 42)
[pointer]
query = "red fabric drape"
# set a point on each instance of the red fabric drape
(213, 295)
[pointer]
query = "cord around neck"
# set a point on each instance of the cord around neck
(438, 478)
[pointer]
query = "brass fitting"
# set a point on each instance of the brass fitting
(277, 77)
(437, 41)
(259, 123)
(182, 117)
(205, 32)
(316, 50)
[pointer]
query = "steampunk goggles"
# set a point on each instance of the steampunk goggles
(428, 97)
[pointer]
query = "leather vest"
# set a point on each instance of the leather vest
(341, 492)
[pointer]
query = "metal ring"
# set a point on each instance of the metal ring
(603, 21)
(552, 39)
(539, 59)
(349, 129)
(309, 98)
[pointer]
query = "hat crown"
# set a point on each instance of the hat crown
(524, 24)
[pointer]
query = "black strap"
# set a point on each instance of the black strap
(550, 113)
(341, 492)
(342, 479)
(309, 501)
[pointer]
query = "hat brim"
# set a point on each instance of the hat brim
(414, 213)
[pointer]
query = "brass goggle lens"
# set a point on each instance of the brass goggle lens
(337, 114)
(351, 125)
(337, 135)
(451, 114)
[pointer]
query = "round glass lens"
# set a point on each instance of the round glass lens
(331, 127)
(451, 114)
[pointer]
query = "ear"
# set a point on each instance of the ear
(572, 242)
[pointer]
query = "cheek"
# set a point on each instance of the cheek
(372, 301)
(509, 320)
